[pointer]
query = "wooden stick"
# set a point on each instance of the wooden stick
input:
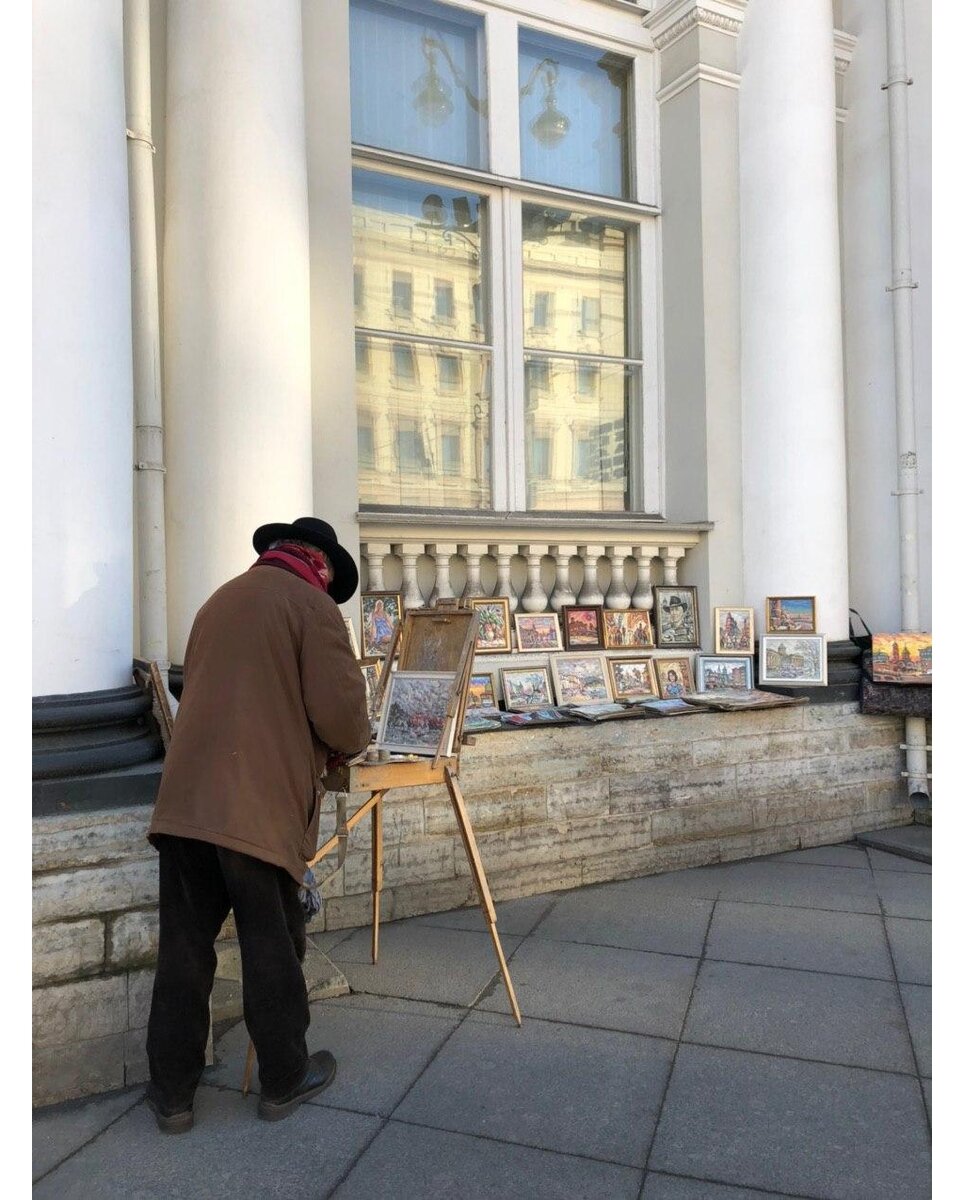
(248, 1068)
(376, 873)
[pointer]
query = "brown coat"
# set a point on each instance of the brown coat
(270, 685)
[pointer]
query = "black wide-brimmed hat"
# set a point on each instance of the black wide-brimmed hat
(320, 534)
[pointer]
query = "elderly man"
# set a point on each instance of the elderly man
(271, 688)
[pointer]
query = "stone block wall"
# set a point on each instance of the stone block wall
(552, 808)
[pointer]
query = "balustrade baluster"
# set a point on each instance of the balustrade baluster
(411, 595)
(534, 598)
(504, 569)
(643, 592)
(590, 593)
(376, 560)
(617, 596)
(562, 593)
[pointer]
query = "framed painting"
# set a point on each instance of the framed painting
(481, 694)
(537, 631)
(350, 627)
(733, 630)
(632, 678)
(791, 614)
(493, 636)
(674, 677)
(413, 714)
(715, 672)
(901, 657)
(793, 660)
(631, 629)
(580, 678)
(381, 612)
(677, 619)
(525, 689)
(371, 668)
(582, 626)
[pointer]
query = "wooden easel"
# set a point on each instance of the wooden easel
(441, 638)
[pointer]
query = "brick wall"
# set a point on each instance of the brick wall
(552, 808)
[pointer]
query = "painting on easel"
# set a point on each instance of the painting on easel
(413, 717)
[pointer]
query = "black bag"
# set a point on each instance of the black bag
(886, 699)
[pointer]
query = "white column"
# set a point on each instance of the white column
(82, 381)
(794, 468)
(236, 298)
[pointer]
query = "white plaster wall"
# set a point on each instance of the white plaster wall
(868, 319)
(82, 373)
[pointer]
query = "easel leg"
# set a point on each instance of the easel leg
(248, 1068)
(481, 883)
(376, 875)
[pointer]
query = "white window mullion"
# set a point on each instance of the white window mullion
(649, 496)
(644, 133)
(502, 72)
(498, 457)
(514, 333)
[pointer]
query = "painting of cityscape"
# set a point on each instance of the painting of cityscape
(481, 692)
(733, 630)
(714, 674)
(526, 688)
(793, 614)
(628, 629)
(580, 678)
(414, 711)
(902, 657)
(793, 661)
(537, 631)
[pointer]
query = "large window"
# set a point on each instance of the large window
(501, 316)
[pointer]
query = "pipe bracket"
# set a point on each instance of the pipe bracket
(896, 287)
(890, 82)
(150, 466)
(141, 137)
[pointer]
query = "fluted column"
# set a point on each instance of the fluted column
(794, 468)
(236, 298)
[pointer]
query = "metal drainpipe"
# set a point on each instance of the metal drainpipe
(901, 287)
(148, 412)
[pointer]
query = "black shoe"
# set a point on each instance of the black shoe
(319, 1074)
(171, 1122)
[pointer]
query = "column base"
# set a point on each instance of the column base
(85, 733)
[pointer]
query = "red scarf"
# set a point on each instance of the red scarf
(309, 565)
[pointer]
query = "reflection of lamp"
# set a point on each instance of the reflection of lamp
(551, 125)
(433, 97)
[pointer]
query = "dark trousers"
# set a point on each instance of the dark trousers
(199, 884)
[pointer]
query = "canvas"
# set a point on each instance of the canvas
(537, 631)
(414, 711)
(630, 629)
(493, 636)
(902, 657)
(526, 688)
(381, 612)
(350, 627)
(677, 619)
(632, 678)
(582, 626)
(791, 614)
(733, 630)
(793, 661)
(674, 677)
(715, 672)
(581, 678)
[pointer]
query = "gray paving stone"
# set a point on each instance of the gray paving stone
(799, 885)
(63, 1130)
(395, 1004)
(512, 916)
(614, 915)
(917, 1003)
(703, 883)
(847, 855)
(228, 1153)
(631, 990)
(855, 1022)
(672, 1187)
(379, 1054)
(406, 1161)
(787, 1126)
(911, 943)
(881, 861)
(926, 1087)
(904, 894)
(557, 1087)
(906, 839)
(422, 962)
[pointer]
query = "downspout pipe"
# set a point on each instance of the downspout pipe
(146, 330)
(901, 288)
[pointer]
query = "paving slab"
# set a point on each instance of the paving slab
(582, 1091)
(800, 885)
(406, 1161)
(911, 943)
(631, 990)
(904, 894)
(228, 1153)
(913, 841)
(58, 1132)
(917, 1004)
(926, 1088)
(379, 1054)
(703, 883)
(512, 916)
(672, 1187)
(781, 1125)
(806, 939)
(828, 1018)
(614, 915)
(847, 855)
(422, 962)
(880, 860)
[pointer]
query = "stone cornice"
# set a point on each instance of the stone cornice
(670, 22)
(843, 50)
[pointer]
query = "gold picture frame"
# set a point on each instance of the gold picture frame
(733, 629)
(791, 614)
(633, 678)
(494, 635)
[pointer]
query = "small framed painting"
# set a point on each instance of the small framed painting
(580, 678)
(582, 626)
(632, 678)
(714, 672)
(629, 629)
(481, 694)
(525, 689)
(493, 636)
(351, 637)
(791, 614)
(677, 619)
(901, 657)
(371, 668)
(793, 660)
(733, 630)
(537, 631)
(674, 677)
(413, 715)
(381, 612)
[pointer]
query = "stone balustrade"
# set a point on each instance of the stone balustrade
(540, 564)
